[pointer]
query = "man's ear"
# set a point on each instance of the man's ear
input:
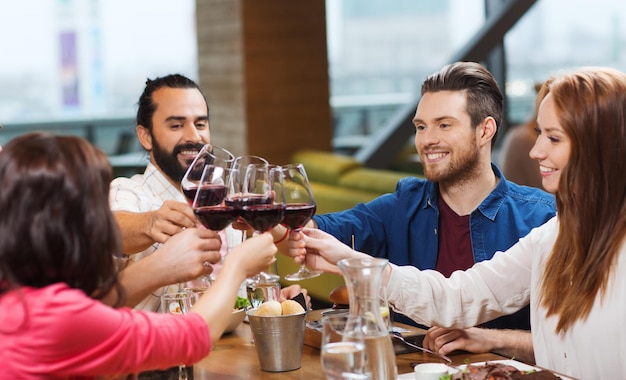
(488, 130)
(145, 137)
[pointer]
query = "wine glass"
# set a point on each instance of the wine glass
(235, 193)
(178, 303)
(343, 347)
(208, 155)
(262, 205)
(299, 209)
(240, 164)
(209, 204)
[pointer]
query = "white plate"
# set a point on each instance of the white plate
(514, 363)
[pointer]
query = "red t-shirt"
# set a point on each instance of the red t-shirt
(455, 241)
(59, 332)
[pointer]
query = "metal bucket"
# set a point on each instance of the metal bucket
(278, 340)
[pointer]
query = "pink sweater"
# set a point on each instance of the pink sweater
(59, 332)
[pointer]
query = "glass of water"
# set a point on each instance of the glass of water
(343, 347)
(259, 291)
(177, 302)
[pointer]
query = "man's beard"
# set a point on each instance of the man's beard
(168, 161)
(459, 171)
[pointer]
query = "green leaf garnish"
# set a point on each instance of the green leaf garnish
(241, 303)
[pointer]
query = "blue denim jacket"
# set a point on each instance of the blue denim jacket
(402, 226)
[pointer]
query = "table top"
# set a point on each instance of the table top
(234, 357)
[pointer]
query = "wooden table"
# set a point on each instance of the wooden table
(235, 357)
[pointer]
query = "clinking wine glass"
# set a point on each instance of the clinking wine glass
(208, 155)
(209, 203)
(299, 209)
(240, 164)
(262, 205)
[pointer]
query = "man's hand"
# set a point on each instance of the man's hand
(140, 230)
(170, 219)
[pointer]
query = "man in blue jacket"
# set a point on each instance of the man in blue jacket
(466, 210)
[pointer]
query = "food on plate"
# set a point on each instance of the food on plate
(537, 375)
(269, 309)
(291, 307)
(499, 371)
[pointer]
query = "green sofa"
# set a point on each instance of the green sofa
(338, 183)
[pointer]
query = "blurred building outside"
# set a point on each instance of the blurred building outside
(82, 69)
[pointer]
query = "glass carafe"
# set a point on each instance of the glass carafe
(364, 279)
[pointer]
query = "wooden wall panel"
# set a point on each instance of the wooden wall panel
(264, 68)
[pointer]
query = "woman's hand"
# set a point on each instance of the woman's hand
(319, 250)
(185, 255)
(254, 255)
(509, 343)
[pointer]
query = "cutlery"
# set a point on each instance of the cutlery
(399, 336)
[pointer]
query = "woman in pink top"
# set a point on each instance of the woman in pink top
(58, 237)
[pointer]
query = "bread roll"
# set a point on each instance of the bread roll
(291, 307)
(269, 309)
(339, 296)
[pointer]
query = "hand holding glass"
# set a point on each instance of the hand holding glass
(299, 209)
(262, 204)
(236, 192)
(209, 203)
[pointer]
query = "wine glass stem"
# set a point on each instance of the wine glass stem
(302, 268)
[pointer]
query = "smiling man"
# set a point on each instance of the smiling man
(172, 126)
(465, 210)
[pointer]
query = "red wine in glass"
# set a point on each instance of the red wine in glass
(190, 193)
(216, 218)
(262, 217)
(261, 204)
(241, 200)
(299, 209)
(209, 155)
(297, 215)
(209, 195)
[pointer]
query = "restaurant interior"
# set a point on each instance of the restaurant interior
(272, 74)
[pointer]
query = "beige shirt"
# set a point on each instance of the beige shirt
(142, 193)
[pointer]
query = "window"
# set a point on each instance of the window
(84, 59)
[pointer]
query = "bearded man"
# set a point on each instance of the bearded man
(465, 210)
(172, 126)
